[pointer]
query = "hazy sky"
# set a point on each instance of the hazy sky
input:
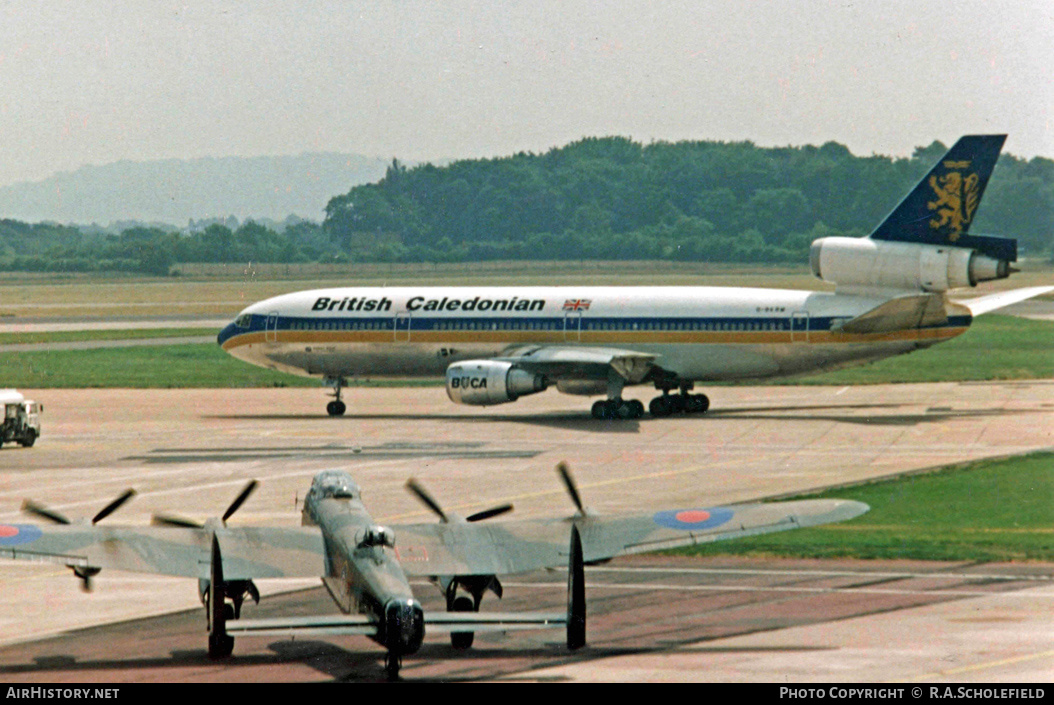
(91, 82)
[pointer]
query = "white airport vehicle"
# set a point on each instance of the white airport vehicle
(497, 344)
(21, 422)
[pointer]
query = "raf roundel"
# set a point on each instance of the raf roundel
(693, 519)
(15, 534)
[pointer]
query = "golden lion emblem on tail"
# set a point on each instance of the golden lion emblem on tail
(957, 199)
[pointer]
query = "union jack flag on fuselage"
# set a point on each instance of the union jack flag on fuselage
(576, 304)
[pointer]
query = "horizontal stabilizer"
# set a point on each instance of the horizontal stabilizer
(901, 313)
(333, 625)
(492, 621)
(991, 302)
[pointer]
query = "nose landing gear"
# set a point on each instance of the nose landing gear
(336, 407)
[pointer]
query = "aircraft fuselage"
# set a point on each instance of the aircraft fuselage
(696, 333)
(362, 574)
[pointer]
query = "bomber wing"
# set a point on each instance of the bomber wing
(501, 548)
(455, 548)
(249, 552)
(573, 362)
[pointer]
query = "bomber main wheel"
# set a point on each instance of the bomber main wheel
(220, 646)
(336, 408)
(392, 664)
(462, 640)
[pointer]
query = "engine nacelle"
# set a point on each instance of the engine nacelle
(901, 265)
(486, 382)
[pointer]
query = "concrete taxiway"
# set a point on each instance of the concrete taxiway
(190, 451)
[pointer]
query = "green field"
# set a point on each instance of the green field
(996, 347)
(75, 336)
(989, 510)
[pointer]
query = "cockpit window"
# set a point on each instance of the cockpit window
(244, 320)
(337, 485)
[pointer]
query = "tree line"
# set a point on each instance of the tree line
(598, 198)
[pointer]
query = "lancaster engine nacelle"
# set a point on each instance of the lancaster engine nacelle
(901, 265)
(486, 382)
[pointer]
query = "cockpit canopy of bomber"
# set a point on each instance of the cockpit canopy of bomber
(334, 484)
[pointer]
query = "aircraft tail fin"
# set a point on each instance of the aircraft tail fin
(940, 208)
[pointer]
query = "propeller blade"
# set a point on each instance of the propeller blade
(488, 513)
(31, 507)
(172, 520)
(422, 494)
(569, 483)
(112, 506)
(240, 499)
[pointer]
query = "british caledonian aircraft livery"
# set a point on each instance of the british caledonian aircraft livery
(497, 344)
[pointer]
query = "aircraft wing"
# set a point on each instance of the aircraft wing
(455, 548)
(249, 552)
(991, 302)
(573, 362)
(505, 547)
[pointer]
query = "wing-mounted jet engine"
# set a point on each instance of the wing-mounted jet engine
(487, 382)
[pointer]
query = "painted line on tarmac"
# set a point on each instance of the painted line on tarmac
(980, 666)
(823, 573)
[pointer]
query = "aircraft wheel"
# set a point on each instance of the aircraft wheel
(30, 439)
(392, 664)
(624, 410)
(220, 646)
(600, 410)
(678, 403)
(336, 408)
(462, 640)
(660, 407)
(637, 407)
(697, 404)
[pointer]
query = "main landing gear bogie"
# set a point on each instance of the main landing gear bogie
(686, 403)
(618, 409)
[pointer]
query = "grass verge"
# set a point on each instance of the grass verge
(988, 510)
(77, 336)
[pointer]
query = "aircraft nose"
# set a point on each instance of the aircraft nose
(225, 334)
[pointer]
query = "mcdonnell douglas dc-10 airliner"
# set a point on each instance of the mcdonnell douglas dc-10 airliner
(497, 344)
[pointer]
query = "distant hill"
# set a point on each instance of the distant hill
(176, 190)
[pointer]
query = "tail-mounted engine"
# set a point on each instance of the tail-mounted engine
(486, 382)
(848, 261)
